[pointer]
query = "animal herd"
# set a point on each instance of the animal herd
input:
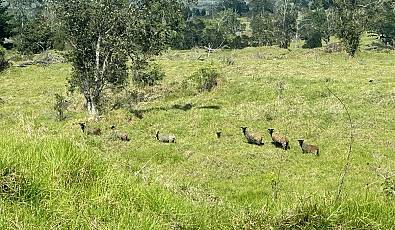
(278, 140)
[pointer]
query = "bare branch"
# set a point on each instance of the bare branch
(348, 159)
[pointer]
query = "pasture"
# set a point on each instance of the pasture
(52, 176)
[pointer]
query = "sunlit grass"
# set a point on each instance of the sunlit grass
(201, 182)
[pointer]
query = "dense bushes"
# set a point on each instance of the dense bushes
(147, 74)
(206, 78)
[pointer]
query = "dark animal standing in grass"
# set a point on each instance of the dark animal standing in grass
(89, 130)
(219, 134)
(306, 148)
(252, 138)
(120, 135)
(279, 140)
(167, 138)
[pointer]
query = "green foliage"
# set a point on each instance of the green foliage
(259, 7)
(263, 29)
(313, 41)
(5, 23)
(60, 106)
(223, 29)
(104, 34)
(193, 33)
(238, 6)
(35, 37)
(285, 23)
(4, 64)
(206, 78)
(382, 21)
(274, 22)
(148, 74)
(314, 27)
(350, 21)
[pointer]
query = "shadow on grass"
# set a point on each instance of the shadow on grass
(139, 113)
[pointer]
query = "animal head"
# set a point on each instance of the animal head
(270, 131)
(244, 129)
(157, 133)
(300, 142)
(112, 126)
(82, 125)
(219, 134)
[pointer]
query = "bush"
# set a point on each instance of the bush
(4, 64)
(60, 106)
(206, 78)
(240, 42)
(148, 75)
(314, 41)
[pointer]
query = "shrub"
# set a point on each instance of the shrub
(4, 64)
(206, 78)
(313, 41)
(148, 74)
(60, 106)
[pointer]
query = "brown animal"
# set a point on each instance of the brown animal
(306, 148)
(279, 140)
(219, 134)
(120, 135)
(252, 138)
(90, 130)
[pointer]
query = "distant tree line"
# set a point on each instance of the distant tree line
(277, 22)
(228, 23)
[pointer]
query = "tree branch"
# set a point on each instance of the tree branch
(348, 159)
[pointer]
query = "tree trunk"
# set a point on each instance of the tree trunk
(92, 106)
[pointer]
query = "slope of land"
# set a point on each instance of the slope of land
(53, 176)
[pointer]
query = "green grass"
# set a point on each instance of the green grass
(64, 179)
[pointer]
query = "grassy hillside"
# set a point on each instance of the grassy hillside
(53, 176)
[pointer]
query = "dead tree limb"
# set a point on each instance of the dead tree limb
(349, 154)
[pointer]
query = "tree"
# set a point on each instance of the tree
(238, 6)
(274, 21)
(104, 33)
(262, 27)
(262, 21)
(314, 27)
(193, 33)
(285, 21)
(5, 25)
(350, 21)
(35, 37)
(383, 21)
(23, 11)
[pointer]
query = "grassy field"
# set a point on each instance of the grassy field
(52, 176)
